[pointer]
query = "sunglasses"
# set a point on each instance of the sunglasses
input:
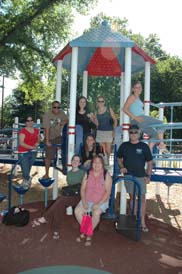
(29, 120)
(100, 101)
(57, 107)
(133, 132)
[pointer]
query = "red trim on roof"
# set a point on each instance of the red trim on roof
(104, 63)
(66, 50)
(142, 53)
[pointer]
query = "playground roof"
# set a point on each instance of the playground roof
(101, 52)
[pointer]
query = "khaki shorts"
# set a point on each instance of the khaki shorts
(51, 151)
(104, 136)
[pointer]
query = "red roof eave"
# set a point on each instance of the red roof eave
(66, 50)
(142, 53)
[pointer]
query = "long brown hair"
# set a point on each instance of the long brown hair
(86, 146)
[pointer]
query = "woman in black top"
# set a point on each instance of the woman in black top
(84, 117)
(89, 150)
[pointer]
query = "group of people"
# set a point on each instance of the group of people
(95, 182)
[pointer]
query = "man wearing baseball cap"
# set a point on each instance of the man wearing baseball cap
(135, 158)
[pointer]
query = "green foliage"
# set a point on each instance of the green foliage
(32, 31)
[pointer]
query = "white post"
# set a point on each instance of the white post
(15, 136)
(147, 89)
(118, 188)
(15, 141)
(85, 83)
(73, 88)
(59, 80)
(39, 126)
(127, 88)
(159, 164)
(121, 98)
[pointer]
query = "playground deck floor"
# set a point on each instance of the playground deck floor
(25, 248)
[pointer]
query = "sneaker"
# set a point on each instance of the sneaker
(25, 184)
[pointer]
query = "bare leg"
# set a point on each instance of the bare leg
(47, 166)
(108, 149)
(79, 211)
(96, 217)
(143, 211)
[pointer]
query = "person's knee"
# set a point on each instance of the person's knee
(77, 211)
(97, 213)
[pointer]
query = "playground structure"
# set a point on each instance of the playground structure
(123, 57)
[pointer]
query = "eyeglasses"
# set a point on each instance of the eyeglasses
(133, 132)
(100, 101)
(29, 120)
(57, 107)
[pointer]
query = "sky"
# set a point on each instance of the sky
(162, 17)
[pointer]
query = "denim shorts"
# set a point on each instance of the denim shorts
(102, 207)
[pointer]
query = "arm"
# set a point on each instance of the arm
(47, 137)
(38, 139)
(130, 100)
(149, 172)
(83, 191)
(93, 118)
(121, 166)
(113, 117)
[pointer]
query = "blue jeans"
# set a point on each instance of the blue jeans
(26, 161)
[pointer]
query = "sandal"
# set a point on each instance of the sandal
(163, 149)
(80, 238)
(144, 229)
(88, 241)
(39, 221)
(56, 235)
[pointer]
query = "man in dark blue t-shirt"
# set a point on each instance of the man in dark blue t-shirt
(133, 156)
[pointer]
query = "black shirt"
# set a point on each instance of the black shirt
(134, 157)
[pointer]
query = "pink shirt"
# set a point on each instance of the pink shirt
(30, 139)
(95, 187)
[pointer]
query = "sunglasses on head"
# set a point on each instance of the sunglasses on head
(133, 132)
(57, 107)
(29, 120)
(100, 101)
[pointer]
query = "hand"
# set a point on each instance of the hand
(95, 206)
(139, 119)
(147, 180)
(85, 206)
(124, 170)
(48, 144)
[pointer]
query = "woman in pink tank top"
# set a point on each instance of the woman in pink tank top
(95, 194)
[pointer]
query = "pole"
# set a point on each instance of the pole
(2, 104)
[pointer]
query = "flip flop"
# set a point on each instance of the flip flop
(56, 235)
(38, 222)
(80, 238)
(88, 241)
(144, 229)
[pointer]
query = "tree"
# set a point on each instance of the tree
(31, 33)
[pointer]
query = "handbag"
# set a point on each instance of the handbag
(86, 227)
(16, 216)
(72, 190)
